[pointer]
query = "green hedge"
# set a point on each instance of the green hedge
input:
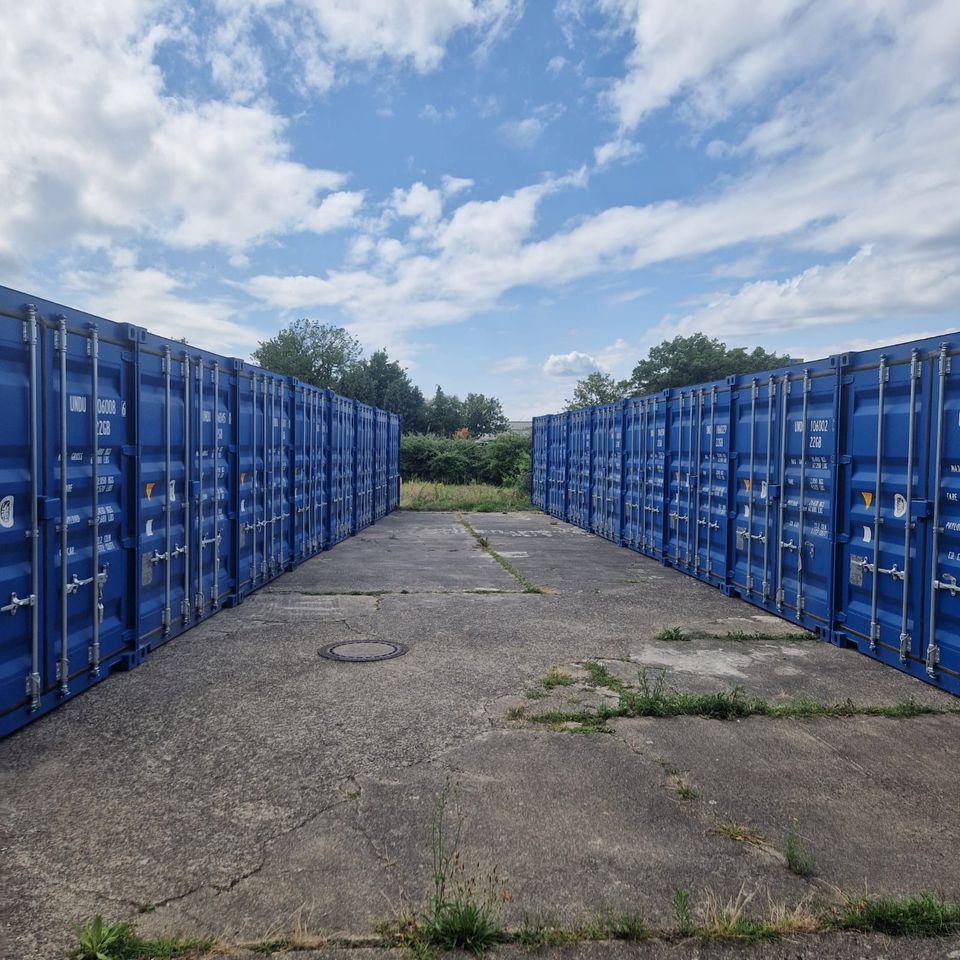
(504, 462)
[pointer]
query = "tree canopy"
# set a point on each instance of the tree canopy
(329, 357)
(317, 353)
(597, 388)
(683, 361)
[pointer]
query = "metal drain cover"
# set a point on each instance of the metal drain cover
(362, 651)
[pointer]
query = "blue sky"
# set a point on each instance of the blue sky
(505, 195)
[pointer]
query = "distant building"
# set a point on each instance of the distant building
(513, 426)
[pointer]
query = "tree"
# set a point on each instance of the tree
(383, 383)
(317, 353)
(444, 414)
(482, 415)
(683, 361)
(595, 389)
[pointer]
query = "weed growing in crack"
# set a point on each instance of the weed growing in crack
(740, 832)
(799, 860)
(729, 919)
(555, 678)
(98, 940)
(672, 634)
(654, 700)
(924, 915)
(537, 934)
(681, 913)
(684, 790)
(600, 676)
(463, 913)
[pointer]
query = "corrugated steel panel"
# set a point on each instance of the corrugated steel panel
(145, 484)
(557, 465)
(393, 462)
(606, 478)
(539, 462)
(342, 466)
(364, 466)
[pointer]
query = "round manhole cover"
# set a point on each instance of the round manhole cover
(362, 651)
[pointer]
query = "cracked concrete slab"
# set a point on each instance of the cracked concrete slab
(776, 670)
(214, 779)
(875, 798)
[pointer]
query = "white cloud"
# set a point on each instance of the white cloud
(418, 203)
(869, 284)
(620, 148)
(327, 36)
(454, 185)
(556, 64)
(512, 364)
(523, 133)
(573, 364)
(716, 56)
(431, 113)
(118, 156)
(161, 302)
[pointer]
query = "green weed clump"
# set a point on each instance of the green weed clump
(799, 860)
(463, 912)
(99, 940)
(924, 915)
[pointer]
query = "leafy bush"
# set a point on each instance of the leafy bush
(504, 461)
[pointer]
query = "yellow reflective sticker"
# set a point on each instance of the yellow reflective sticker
(746, 485)
(867, 497)
(150, 487)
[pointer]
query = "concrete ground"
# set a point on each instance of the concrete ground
(240, 786)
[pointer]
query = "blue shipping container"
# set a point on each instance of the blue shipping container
(145, 484)
(827, 493)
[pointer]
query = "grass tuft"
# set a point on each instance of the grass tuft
(925, 915)
(740, 832)
(555, 678)
(799, 860)
(672, 634)
(98, 940)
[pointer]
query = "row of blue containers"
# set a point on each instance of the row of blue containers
(145, 484)
(827, 493)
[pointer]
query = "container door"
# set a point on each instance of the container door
(342, 467)
(712, 484)
(606, 475)
(557, 486)
(805, 509)
(298, 503)
(248, 538)
(87, 428)
(941, 642)
(394, 466)
(687, 410)
(381, 448)
(22, 624)
(164, 606)
(538, 482)
(214, 543)
(322, 505)
(364, 461)
(655, 483)
(879, 589)
(633, 438)
(756, 434)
